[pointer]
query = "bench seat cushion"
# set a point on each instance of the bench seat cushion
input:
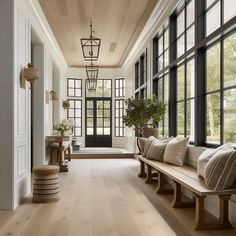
(220, 171)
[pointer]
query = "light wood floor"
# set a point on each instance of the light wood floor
(102, 198)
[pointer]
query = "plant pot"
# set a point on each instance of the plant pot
(146, 132)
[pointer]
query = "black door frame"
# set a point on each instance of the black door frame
(97, 140)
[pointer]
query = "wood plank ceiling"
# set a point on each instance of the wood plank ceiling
(117, 22)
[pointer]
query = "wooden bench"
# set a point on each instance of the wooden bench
(187, 176)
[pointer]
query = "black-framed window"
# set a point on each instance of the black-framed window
(74, 87)
(185, 101)
(161, 50)
(221, 91)
(103, 89)
(119, 113)
(141, 76)
(161, 90)
(120, 87)
(185, 28)
(217, 13)
(75, 113)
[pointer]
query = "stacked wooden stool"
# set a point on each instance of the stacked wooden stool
(46, 184)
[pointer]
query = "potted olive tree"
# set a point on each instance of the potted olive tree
(144, 115)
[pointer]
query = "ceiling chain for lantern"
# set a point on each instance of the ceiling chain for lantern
(91, 46)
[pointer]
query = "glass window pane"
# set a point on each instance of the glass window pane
(190, 119)
(166, 38)
(107, 131)
(77, 113)
(160, 63)
(180, 23)
(106, 113)
(160, 89)
(213, 19)
(166, 88)
(107, 122)
(99, 121)
(99, 131)
(90, 122)
(180, 46)
(229, 61)
(180, 119)
(190, 79)
(99, 113)
(71, 83)
(72, 103)
(230, 116)
(78, 92)
(89, 131)
(90, 104)
(71, 92)
(190, 13)
(166, 58)
(229, 9)
(78, 83)
(190, 37)
(160, 45)
(180, 83)
(213, 118)
(213, 68)
(89, 113)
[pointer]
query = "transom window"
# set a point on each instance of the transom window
(74, 87)
(119, 87)
(103, 89)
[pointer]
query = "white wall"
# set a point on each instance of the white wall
(6, 104)
(159, 16)
(17, 18)
(104, 73)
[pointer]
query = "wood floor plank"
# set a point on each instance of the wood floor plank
(103, 197)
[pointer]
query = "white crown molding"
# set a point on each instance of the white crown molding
(40, 23)
(162, 9)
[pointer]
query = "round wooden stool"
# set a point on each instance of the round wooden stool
(46, 184)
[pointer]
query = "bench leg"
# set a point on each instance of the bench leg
(149, 178)
(160, 187)
(69, 154)
(177, 201)
(222, 223)
(224, 211)
(142, 173)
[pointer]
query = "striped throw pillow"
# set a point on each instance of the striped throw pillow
(220, 171)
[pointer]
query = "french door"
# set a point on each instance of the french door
(98, 122)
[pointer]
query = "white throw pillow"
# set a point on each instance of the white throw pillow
(207, 154)
(148, 145)
(156, 151)
(175, 151)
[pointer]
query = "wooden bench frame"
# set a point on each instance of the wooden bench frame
(186, 176)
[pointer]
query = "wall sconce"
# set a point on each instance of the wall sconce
(53, 95)
(66, 104)
(29, 74)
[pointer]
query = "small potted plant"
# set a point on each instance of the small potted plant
(143, 113)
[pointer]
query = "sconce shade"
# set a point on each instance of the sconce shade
(31, 73)
(66, 104)
(53, 95)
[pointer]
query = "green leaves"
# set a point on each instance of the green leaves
(140, 112)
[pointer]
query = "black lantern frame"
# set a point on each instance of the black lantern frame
(91, 46)
(92, 72)
(91, 85)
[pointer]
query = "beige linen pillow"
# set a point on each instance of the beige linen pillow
(220, 171)
(175, 151)
(156, 151)
(206, 155)
(142, 143)
(148, 145)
